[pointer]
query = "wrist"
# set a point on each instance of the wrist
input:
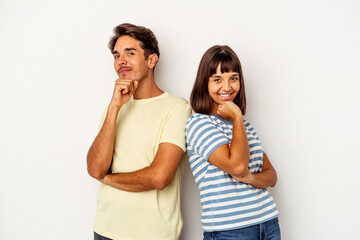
(115, 108)
(103, 180)
(237, 118)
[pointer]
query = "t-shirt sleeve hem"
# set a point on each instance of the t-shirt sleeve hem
(214, 148)
(175, 142)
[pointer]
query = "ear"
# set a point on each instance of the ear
(152, 60)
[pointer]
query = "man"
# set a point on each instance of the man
(137, 153)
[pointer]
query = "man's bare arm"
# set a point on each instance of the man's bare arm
(101, 151)
(157, 176)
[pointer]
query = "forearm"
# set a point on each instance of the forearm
(265, 179)
(156, 176)
(101, 151)
(262, 180)
(234, 159)
(239, 149)
(138, 181)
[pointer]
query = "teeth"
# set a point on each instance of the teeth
(224, 95)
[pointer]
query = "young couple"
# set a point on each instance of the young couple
(139, 151)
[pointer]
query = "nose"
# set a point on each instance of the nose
(122, 60)
(226, 86)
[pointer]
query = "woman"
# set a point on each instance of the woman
(229, 165)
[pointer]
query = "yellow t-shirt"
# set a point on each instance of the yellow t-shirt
(141, 126)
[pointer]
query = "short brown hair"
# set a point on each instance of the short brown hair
(140, 33)
(200, 99)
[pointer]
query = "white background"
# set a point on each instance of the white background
(301, 68)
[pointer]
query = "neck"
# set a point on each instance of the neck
(147, 88)
(214, 108)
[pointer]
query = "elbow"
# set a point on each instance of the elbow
(274, 180)
(239, 171)
(162, 181)
(95, 169)
(160, 186)
(239, 166)
(95, 173)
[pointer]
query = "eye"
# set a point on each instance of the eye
(131, 54)
(234, 79)
(116, 56)
(216, 79)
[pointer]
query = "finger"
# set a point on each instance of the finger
(134, 87)
(136, 84)
(123, 81)
(124, 86)
(126, 90)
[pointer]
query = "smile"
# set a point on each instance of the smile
(124, 70)
(225, 95)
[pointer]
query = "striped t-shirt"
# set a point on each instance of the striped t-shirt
(226, 203)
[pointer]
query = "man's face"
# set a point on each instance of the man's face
(129, 59)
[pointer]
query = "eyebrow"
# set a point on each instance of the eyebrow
(126, 50)
(213, 76)
(236, 74)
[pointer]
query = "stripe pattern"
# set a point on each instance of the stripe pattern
(226, 203)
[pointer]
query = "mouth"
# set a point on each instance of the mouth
(225, 97)
(124, 70)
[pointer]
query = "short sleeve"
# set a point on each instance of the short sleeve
(174, 129)
(203, 137)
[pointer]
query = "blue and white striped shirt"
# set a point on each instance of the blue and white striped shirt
(226, 203)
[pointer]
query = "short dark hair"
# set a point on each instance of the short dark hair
(140, 33)
(200, 99)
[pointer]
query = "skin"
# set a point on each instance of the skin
(135, 79)
(234, 158)
(266, 178)
(223, 88)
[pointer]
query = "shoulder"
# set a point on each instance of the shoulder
(248, 125)
(250, 131)
(210, 119)
(198, 117)
(200, 123)
(173, 99)
(175, 103)
(204, 133)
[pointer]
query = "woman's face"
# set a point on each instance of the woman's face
(223, 87)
